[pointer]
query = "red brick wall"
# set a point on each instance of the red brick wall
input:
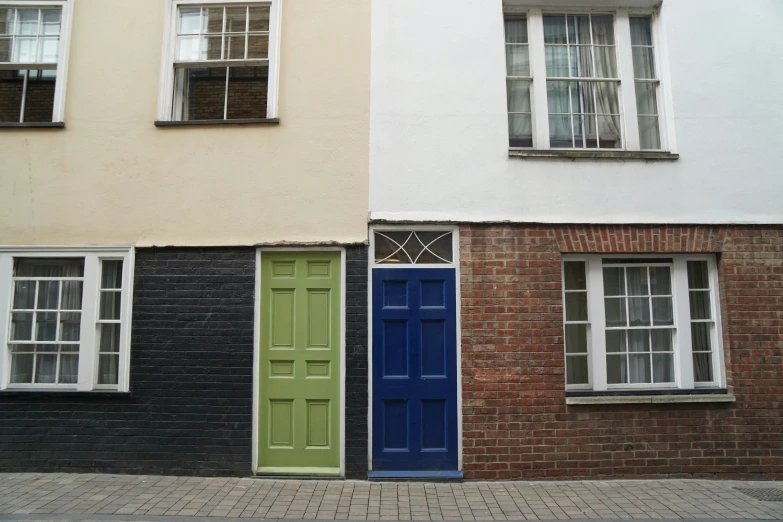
(516, 423)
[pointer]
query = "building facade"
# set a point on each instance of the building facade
(617, 249)
(183, 183)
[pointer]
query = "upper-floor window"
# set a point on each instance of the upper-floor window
(64, 318)
(641, 322)
(583, 81)
(221, 62)
(33, 38)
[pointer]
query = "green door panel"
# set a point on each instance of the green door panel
(299, 384)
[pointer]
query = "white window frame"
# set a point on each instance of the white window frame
(683, 359)
(61, 79)
(622, 34)
(88, 347)
(166, 94)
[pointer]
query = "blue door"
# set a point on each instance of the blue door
(414, 343)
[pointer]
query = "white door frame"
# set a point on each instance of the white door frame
(455, 265)
(257, 345)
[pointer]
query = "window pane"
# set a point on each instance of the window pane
(24, 295)
(614, 281)
(257, 46)
(579, 29)
(702, 367)
(27, 20)
(517, 60)
(616, 369)
(700, 337)
(646, 98)
(199, 93)
(46, 326)
(644, 63)
(48, 49)
(212, 19)
(641, 30)
(700, 304)
(639, 370)
(649, 132)
(560, 132)
(111, 274)
(70, 326)
(663, 367)
(46, 368)
(69, 368)
(516, 30)
(259, 18)
(615, 341)
(22, 368)
(108, 366)
(236, 19)
(7, 20)
(212, 48)
(22, 326)
(576, 306)
(581, 61)
(638, 340)
(109, 338)
(615, 312)
(235, 47)
(576, 338)
(638, 311)
(247, 92)
(603, 29)
(637, 280)
(72, 295)
(555, 29)
(518, 95)
(558, 100)
(575, 275)
(662, 340)
(609, 132)
(660, 280)
(48, 295)
(576, 370)
(557, 63)
(698, 277)
(605, 62)
(663, 311)
(189, 20)
(188, 48)
(110, 305)
(25, 49)
(39, 103)
(34, 267)
(51, 22)
(12, 82)
(520, 130)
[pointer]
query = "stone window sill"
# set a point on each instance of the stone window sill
(59, 394)
(33, 125)
(246, 121)
(619, 155)
(649, 397)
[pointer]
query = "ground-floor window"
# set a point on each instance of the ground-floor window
(65, 319)
(641, 322)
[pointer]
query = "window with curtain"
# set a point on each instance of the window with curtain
(67, 322)
(577, 67)
(641, 322)
(30, 42)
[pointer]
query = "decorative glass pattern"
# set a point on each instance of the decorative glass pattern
(414, 247)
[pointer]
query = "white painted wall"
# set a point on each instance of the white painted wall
(438, 123)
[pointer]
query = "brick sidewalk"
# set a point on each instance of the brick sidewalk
(47, 495)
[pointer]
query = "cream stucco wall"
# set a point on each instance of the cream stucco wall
(112, 177)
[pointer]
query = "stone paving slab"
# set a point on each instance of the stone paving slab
(94, 497)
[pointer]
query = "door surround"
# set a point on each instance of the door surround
(257, 349)
(455, 264)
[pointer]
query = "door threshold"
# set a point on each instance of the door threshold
(297, 473)
(436, 476)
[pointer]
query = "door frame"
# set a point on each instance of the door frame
(454, 229)
(257, 347)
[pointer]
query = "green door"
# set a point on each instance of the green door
(299, 379)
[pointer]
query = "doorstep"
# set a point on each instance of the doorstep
(436, 476)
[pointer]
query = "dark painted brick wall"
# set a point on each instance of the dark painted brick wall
(356, 363)
(190, 409)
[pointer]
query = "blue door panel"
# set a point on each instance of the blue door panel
(414, 370)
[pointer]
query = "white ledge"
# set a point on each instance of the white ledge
(651, 399)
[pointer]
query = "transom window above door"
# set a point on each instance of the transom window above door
(221, 63)
(413, 247)
(584, 80)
